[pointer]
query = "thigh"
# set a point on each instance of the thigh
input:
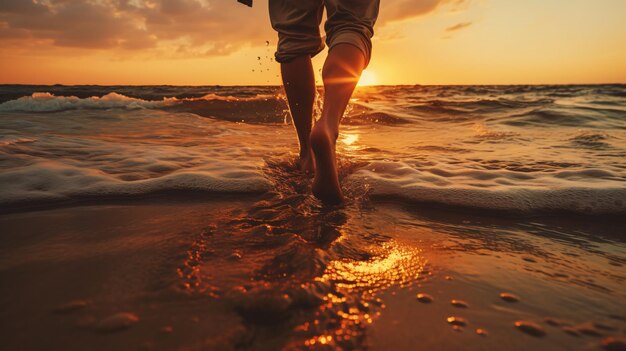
(356, 12)
(351, 22)
(297, 23)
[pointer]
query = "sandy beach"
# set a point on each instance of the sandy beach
(176, 275)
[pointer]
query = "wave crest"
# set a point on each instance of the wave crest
(582, 192)
(47, 102)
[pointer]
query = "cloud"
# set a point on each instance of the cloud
(398, 10)
(458, 26)
(158, 28)
(209, 27)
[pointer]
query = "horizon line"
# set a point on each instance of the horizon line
(318, 85)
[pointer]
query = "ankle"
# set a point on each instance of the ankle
(331, 130)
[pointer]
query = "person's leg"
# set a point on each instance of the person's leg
(349, 29)
(297, 24)
(341, 73)
(299, 83)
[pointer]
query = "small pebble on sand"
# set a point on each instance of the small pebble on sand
(530, 328)
(459, 303)
(425, 298)
(613, 343)
(508, 297)
(117, 322)
(71, 306)
(481, 332)
(457, 321)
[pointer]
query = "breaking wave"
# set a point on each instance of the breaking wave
(48, 183)
(46, 102)
(586, 192)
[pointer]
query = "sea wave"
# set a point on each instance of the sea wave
(364, 117)
(258, 108)
(48, 182)
(455, 106)
(255, 109)
(46, 102)
(587, 191)
(519, 148)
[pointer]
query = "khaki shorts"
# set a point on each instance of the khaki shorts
(298, 25)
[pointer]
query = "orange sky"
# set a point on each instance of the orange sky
(206, 42)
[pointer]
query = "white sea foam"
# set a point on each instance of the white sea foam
(583, 192)
(47, 102)
(52, 182)
(79, 156)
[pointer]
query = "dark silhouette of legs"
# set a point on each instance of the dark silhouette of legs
(341, 74)
(299, 83)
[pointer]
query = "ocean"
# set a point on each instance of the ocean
(460, 193)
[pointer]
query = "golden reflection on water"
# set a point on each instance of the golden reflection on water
(354, 303)
(349, 138)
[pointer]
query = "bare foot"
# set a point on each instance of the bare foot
(306, 163)
(326, 183)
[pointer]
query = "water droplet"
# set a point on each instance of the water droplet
(457, 321)
(481, 332)
(425, 298)
(258, 58)
(459, 303)
(530, 328)
(508, 297)
(267, 42)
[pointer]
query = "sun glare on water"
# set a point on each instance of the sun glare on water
(367, 78)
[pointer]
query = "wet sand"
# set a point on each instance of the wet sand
(267, 273)
(65, 271)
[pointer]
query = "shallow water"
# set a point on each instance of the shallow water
(460, 193)
(510, 148)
